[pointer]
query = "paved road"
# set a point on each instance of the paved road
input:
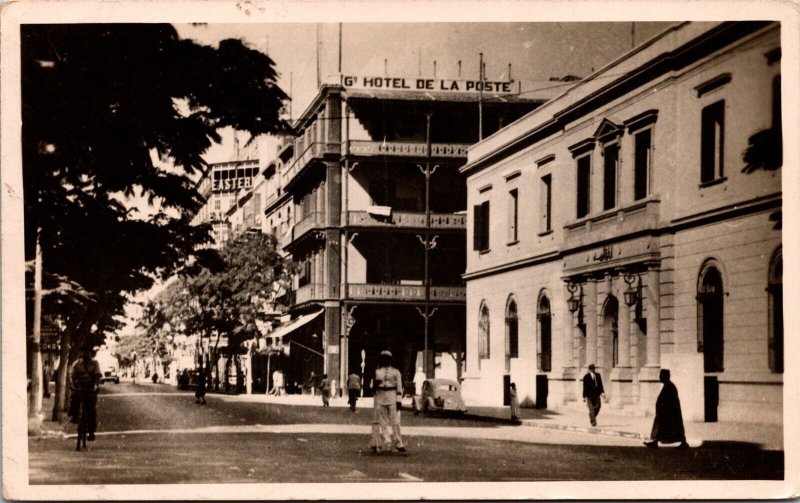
(150, 434)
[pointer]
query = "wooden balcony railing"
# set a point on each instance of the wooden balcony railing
(636, 217)
(406, 149)
(414, 293)
(405, 219)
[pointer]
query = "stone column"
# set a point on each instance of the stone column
(590, 317)
(653, 297)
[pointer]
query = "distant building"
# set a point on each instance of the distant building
(222, 186)
(361, 221)
(619, 224)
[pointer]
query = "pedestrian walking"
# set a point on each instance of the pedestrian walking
(388, 392)
(200, 392)
(514, 402)
(593, 392)
(84, 377)
(353, 390)
(668, 423)
(312, 382)
(325, 390)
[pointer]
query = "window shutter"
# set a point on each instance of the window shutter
(477, 227)
(485, 226)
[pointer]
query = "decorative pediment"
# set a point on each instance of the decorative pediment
(608, 131)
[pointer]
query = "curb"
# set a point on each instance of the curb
(596, 431)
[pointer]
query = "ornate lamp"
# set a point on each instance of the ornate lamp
(632, 293)
(573, 302)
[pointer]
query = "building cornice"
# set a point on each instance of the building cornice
(699, 47)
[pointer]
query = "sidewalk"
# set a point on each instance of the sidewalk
(766, 436)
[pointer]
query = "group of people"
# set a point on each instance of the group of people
(668, 421)
(387, 395)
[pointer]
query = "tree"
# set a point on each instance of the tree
(116, 111)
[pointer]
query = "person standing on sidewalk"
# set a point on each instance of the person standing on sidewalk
(200, 392)
(592, 393)
(388, 391)
(668, 423)
(353, 390)
(419, 379)
(325, 390)
(514, 401)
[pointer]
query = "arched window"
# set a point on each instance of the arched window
(775, 291)
(545, 340)
(710, 319)
(512, 332)
(483, 333)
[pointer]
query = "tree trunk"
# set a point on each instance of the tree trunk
(59, 398)
(215, 356)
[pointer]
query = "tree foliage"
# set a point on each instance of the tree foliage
(116, 111)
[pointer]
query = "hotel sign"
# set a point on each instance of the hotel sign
(420, 84)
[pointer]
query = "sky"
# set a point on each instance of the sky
(536, 51)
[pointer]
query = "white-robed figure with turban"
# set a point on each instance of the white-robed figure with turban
(388, 391)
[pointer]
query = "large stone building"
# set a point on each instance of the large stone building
(631, 223)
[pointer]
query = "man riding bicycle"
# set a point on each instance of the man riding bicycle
(84, 379)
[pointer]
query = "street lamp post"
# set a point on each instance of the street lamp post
(428, 244)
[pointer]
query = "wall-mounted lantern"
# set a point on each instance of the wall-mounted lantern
(573, 302)
(632, 292)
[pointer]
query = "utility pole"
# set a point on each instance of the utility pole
(428, 244)
(36, 377)
(340, 48)
(480, 100)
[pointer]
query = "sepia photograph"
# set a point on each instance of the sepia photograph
(384, 251)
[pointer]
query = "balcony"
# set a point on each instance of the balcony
(413, 293)
(313, 151)
(367, 148)
(405, 219)
(311, 221)
(309, 293)
(638, 217)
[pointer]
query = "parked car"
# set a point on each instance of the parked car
(110, 375)
(439, 395)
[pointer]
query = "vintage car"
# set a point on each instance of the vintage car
(110, 375)
(439, 395)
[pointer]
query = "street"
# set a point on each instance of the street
(153, 434)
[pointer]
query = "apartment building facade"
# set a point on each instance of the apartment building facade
(633, 222)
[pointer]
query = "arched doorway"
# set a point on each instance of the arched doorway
(710, 335)
(710, 340)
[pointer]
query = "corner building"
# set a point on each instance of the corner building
(379, 224)
(619, 224)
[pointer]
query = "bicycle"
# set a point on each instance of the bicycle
(85, 403)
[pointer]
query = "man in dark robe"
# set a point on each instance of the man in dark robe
(668, 423)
